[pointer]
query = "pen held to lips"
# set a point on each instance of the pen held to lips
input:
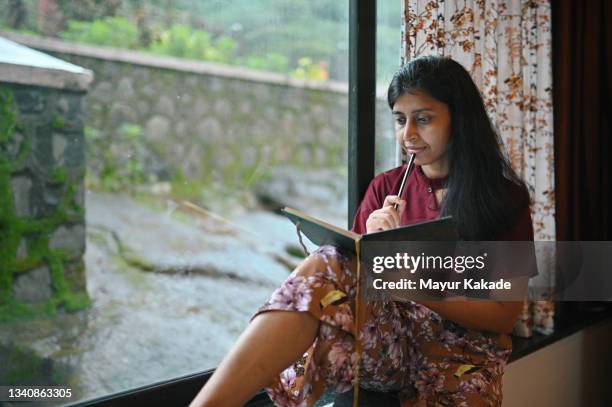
(406, 174)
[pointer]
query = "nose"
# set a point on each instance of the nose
(409, 134)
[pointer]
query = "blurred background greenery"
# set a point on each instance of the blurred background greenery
(235, 32)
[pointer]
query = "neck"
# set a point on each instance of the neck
(433, 171)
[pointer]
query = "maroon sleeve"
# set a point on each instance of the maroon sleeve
(522, 227)
(520, 230)
(371, 201)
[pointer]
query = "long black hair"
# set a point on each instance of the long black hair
(482, 186)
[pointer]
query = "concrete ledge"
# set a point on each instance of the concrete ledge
(167, 62)
(50, 78)
(22, 65)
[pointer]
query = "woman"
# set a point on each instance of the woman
(446, 352)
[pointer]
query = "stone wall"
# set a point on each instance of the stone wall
(211, 127)
(42, 231)
(215, 128)
(176, 118)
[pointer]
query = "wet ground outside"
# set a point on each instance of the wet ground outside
(170, 291)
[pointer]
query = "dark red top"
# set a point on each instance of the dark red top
(421, 202)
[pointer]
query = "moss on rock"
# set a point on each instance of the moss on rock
(36, 232)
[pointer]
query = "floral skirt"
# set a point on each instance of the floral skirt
(405, 347)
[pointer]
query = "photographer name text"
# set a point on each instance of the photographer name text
(431, 284)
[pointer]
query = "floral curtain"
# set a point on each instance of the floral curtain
(506, 46)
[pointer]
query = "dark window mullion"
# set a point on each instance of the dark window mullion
(362, 100)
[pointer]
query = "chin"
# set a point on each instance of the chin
(421, 161)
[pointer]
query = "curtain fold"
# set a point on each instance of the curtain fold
(582, 41)
(506, 45)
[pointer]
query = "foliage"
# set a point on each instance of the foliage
(184, 42)
(116, 170)
(271, 62)
(308, 70)
(88, 10)
(270, 35)
(110, 31)
(23, 366)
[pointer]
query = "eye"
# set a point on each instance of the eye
(401, 121)
(423, 120)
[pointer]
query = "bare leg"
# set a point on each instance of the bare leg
(271, 343)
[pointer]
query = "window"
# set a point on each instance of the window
(219, 115)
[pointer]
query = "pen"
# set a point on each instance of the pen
(408, 171)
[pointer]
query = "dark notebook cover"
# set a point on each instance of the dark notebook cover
(322, 233)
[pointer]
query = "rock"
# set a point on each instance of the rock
(165, 106)
(46, 347)
(149, 90)
(306, 189)
(33, 286)
(14, 144)
(52, 194)
(320, 114)
(209, 129)
(22, 187)
(31, 101)
(125, 89)
(103, 92)
(246, 107)
(192, 164)
(215, 84)
(75, 151)
(223, 108)
(42, 148)
(192, 81)
(59, 147)
(305, 156)
(71, 239)
(22, 249)
(78, 201)
(155, 168)
(181, 130)
(168, 246)
(157, 129)
(68, 113)
(121, 113)
(198, 109)
(329, 136)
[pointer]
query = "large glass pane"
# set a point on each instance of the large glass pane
(388, 34)
(203, 120)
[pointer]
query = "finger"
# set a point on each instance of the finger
(373, 226)
(394, 215)
(387, 217)
(377, 222)
(402, 206)
(390, 200)
(393, 201)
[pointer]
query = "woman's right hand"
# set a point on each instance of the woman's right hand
(386, 217)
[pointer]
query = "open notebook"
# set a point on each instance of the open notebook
(322, 233)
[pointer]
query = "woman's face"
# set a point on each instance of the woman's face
(422, 127)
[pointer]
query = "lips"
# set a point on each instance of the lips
(414, 150)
